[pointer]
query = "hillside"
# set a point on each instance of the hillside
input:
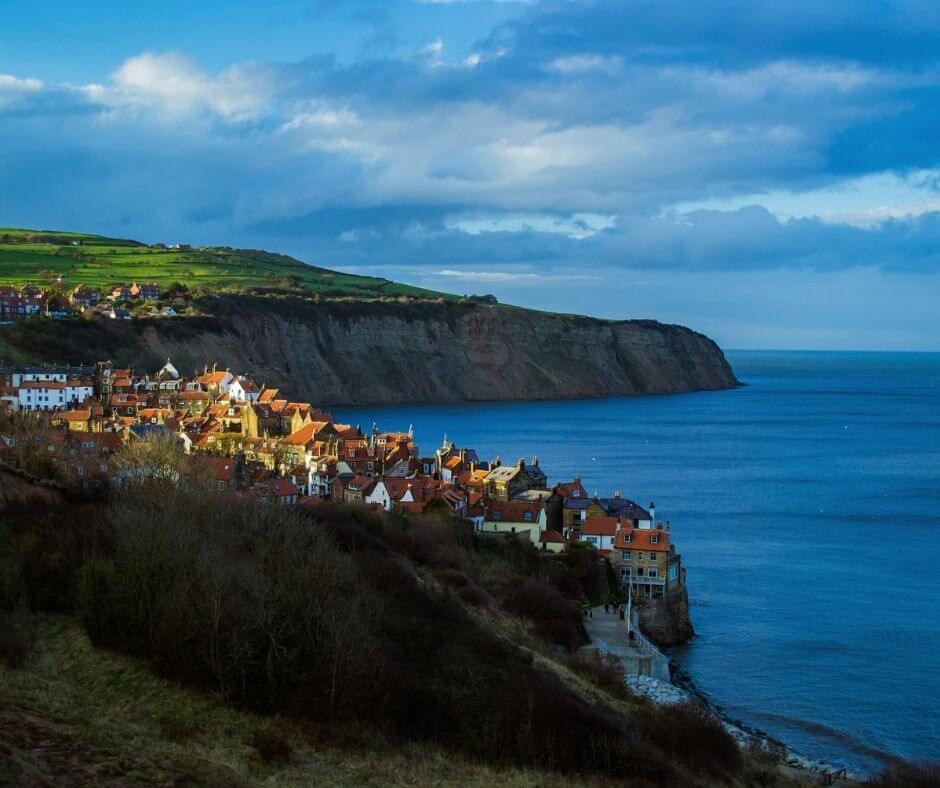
(338, 339)
(175, 635)
(38, 256)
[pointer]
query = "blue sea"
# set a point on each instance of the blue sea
(807, 509)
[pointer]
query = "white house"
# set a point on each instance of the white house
(600, 531)
(242, 389)
(52, 394)
(380, 495)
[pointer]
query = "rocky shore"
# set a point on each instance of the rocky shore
(660, 692)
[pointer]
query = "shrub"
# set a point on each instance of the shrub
(606, 673)
(922, 774)
(555, 618)
(17, 637)
(272, 746)
(691, 734)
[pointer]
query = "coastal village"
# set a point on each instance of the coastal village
(248, 440)
(58, 301)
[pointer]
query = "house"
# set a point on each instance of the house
(600, 531)
(622, 509)
(83, 297)
(52, 394)
(148, 291)
(526, 520)
(552, 541)
(76, 420)
(357, 488)
(505, 482)
(215, 382)
(280, 491)
(646, 560)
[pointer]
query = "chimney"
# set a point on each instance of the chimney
(577, 478)
(522, 462)
(667, 525)
(535, 461)
(214, 367)
(617, 494)
(652, 512)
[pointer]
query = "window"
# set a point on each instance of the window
(628, 537)
(625, 555)
(673, 572)
(625, 573)
(654, 539)
(527, 516)
(653, 557)
(639, 571)
(591, 539)
(652, 572)
(639, 556)
(575, 493)
(497, 515)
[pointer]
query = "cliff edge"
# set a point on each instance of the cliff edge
(371, 352)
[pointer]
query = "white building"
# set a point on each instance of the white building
(53, 394)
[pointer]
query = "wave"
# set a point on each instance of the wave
(818, 729)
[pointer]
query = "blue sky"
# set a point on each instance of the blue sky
(766, 172)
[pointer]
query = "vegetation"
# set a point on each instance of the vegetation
(166, 632)
(40, 257)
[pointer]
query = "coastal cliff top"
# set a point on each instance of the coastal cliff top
(66, 260)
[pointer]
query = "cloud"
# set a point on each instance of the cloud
(12, 89)
(173, 84)
(574, 135)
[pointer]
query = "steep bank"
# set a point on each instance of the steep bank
(339, 353)
(666, 621)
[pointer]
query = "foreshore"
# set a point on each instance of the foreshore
(606, 631)
(747, 736)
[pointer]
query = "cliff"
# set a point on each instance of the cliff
(359, 352)
(666, 621)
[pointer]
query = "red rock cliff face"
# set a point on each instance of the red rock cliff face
(359, 353)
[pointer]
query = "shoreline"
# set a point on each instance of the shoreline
(747, 735)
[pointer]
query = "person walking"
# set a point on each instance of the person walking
(606, 607)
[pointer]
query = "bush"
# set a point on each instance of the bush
(555, 618)
(922, 774)
(17, 637)
(606, 673)
(272, 746)
(690, 733)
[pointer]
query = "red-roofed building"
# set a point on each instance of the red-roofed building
(514, 517)
(646, 559)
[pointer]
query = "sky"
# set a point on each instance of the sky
(766, 172)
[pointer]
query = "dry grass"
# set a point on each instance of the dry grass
(75, 714)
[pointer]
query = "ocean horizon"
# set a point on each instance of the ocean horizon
(806, 505)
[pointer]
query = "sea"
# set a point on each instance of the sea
(806, 506)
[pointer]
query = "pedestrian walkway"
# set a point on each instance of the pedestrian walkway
(608, 634)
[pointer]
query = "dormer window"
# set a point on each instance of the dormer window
(575, 493)
(627, 537)
(527, 516)
(654, 539)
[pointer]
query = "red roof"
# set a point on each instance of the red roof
(552, 537)
(283, 487)
(514, 512)
(642, 539)
(599, 526)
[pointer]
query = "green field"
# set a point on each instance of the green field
(39, 256)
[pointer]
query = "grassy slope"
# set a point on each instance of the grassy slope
(32, 256)
(76, 715)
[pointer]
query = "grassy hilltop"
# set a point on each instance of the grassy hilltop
(39, 256)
